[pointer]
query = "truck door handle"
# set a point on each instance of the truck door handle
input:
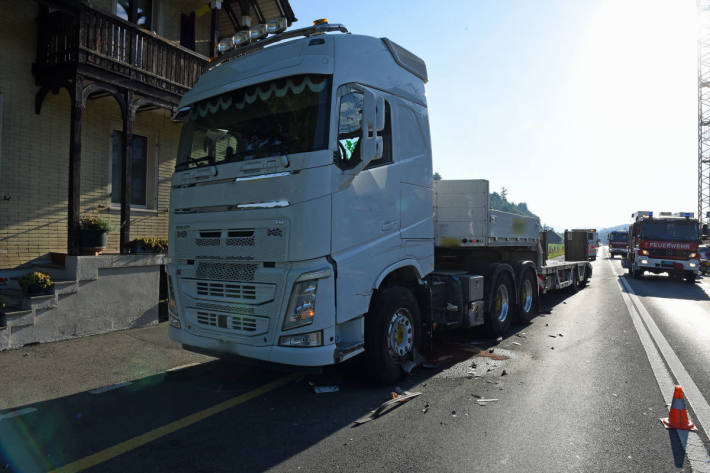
(389, 225)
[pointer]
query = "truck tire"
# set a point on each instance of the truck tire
(527, 297)
(392, 331)
(575, 281)
(501, 304)
(690, 277)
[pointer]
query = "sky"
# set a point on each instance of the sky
(584, 109)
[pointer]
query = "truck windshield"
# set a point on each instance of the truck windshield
(289, 115)
(671, 231)
(618, 237)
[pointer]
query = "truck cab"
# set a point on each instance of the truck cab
(303, 182)
(618, 243)
(667, 242)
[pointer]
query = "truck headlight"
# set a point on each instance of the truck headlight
(302, 305)
(692, 265)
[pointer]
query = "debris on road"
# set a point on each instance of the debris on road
(484, 402)
(499, 339)
(325, 389)
(453, 413)
(552, 348)
(398, 400)
(516, 343)
(426, 408)
(560, 335)
(552, 336)
(504, 373)
(490, 351)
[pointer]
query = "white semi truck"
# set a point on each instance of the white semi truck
(305, 227)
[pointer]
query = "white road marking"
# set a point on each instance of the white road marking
(19, 412)
(695, 450)
(110, 387)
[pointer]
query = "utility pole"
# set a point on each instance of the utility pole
(703, 109)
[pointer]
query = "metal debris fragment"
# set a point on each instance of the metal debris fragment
(384, 407)
(484, 402)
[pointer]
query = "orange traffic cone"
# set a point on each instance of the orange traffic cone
(678, 416)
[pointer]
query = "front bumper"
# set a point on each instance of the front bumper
(312, 356)
(618, 251)
(659, 264)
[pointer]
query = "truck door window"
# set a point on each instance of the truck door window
(349, 129)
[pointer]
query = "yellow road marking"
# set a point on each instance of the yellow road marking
(140, 440)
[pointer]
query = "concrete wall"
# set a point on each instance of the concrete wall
(34, 152)
(107, 293)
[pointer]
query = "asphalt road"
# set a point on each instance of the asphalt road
(582, 391)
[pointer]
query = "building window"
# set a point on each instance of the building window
(139, 12)
(139, 169)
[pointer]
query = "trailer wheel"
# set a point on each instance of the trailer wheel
(499, 315)
(575, 281)
(528, 296)
(392, 330)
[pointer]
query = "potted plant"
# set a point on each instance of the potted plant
(149, 245)
(37, 284)
(93, 234)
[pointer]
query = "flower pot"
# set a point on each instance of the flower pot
(139, 247)
(37, 290)
(90, 238)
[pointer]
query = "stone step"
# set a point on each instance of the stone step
(39, 302)
(18, 318)
(56, 271)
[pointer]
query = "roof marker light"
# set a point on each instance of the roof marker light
(320, 21)
(225, 44)
(259, 31)
(276, 25)
(241, 37)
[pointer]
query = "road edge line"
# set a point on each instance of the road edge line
(694, 448)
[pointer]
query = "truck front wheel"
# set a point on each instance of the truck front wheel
(690, 277)
(499, 312)
(392, 331)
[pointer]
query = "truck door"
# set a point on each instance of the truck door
(365, 211)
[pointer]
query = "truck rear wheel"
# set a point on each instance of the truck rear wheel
(392, 331)
(499, 315)
(528, 295)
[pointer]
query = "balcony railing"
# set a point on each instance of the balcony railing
(87, 37)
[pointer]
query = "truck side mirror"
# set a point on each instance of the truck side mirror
(371, 145)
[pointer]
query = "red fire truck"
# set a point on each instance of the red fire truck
(666, 243)
(618, 243)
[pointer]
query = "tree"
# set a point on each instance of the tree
(437, 176)
(504, 193)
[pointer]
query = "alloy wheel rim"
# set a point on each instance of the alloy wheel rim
(400, 334)
(502, 303)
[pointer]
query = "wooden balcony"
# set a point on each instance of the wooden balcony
(78, 40)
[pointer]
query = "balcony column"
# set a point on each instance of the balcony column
(127, 172)
(74, 195)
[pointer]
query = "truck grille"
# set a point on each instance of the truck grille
(237, 323)
(226, 271)
(240, 241)
(668, 253)
(207, 241)
(230, 290)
